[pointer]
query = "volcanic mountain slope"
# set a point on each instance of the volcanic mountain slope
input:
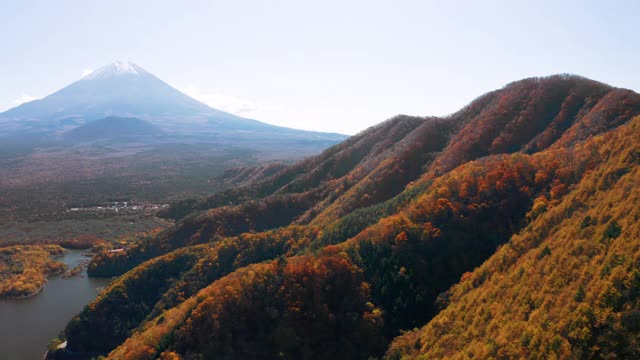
(124, 89)
(119, 88)
(334, 256)
(113, 128)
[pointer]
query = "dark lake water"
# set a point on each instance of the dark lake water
(27, 326)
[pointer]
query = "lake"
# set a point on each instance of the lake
(27, 325)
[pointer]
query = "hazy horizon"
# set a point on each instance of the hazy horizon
(308, 66)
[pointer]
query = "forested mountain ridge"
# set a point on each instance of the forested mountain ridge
(566, 286)
(529, 115)
(306, 175)
(334, 256)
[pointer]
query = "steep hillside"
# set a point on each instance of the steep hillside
(289, 194)
(247, 175)
(527, 116)
(332, 164)
(377, 164)
(335, 256)
(566, 286)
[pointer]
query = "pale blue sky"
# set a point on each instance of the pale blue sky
(322, 65)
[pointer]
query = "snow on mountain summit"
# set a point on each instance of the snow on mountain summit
(119, 89)
(115, 69)
(125, 90)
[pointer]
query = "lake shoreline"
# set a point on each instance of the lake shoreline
(62, 273)
(29, 324)
(26, 296)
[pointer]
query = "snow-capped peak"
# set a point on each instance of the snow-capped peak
(125, 67)
(115, 69)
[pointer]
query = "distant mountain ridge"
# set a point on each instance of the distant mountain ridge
(125, 89)
(120, 88)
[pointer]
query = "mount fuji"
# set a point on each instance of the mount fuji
(126, 90)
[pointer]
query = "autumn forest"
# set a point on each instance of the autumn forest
(509, 229)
